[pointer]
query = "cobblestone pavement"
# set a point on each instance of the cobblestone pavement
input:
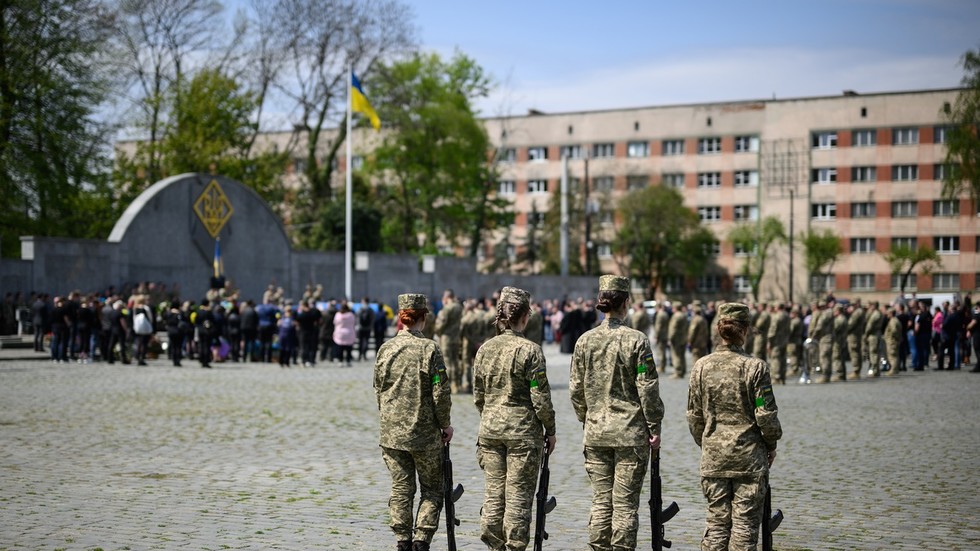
(249, 456)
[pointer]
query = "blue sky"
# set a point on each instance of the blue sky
(578, 55)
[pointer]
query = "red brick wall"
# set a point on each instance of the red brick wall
(924, 281)
(925, 208)
(844, 174)
(520, 186)
(843, 210)
(727, 179)
(522, 154)
(884, 136)
(690, 180)
(967, 208)
(656, 148)
(883, 282)
(728, 213)
(968, 243)
(691, 146)
(883, 209)
(620, 149)
(926, 134)
(926, 171)
(883, 244)
(844, 138)
(842, 280)
(728, 144)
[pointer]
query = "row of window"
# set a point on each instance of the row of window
(900, 209)
(743, 178)
(858, 282)
(634, 149)
(864, 174)
(943, 244)
(868, 137)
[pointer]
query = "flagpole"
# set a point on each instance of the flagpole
(347, 207)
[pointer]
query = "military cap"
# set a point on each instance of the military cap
(614, 283)
(411, 301)
(734, 311)
(514, 295)
(696, 303)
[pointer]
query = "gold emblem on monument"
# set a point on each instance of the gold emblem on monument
(213, 208)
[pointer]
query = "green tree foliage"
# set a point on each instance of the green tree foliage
(903, 260)
(659, 237)
(821, 249)
(758, 239)
(963, 138)
(437, 182)
(549, 234)
(53, 163)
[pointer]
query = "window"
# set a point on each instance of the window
(946, 208)
(602, 183)
(673, 147)
(946, 244)
(299, 165)
(537, 186)
(570, 152)
(940, 134)
(909, 242)
(823, 282)
(673, 179)
(864, 138)
(709, 214)
(672, 284)
(941, 171)
(508, 155)
(946, 282)
(905, 173)
(574, 184)
(746, 144)
(824, 140)
(713, 248)
(824, 175)
(823, 211)
(864, 174)
(606, 217)
(863, 210)
(904, 209)
(604, 250)
(603, 150)
(357, 162)
(905, 136)
(709, 145)
(862, 245)
(742, 284)
(506, 187)
(862, 282)
(634, 183)
(746, 178)
(742, 250)
(910, 284)
(537, 153)
(709, 283)
(746, 212)
(638, 149)
(709, 179)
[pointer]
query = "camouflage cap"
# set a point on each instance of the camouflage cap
(514, 295)
(734, 311)
(411, 301)
(614, 283)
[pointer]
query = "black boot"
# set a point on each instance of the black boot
(405, 545)
(420, 546)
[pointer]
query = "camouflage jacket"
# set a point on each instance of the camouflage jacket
(534, 331)
(874, 324)
(640, 321)
(779, 330)
(511, 390)
(448, 320)
(855, 323)
(660, 323)
(732, 414)
(893, 332)
(677, 329)
(824, 329)
(412, 391)
(795, 331)
(614, 386)
(697, 333)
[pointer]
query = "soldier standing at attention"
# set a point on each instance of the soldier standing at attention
(471, 333)
(760, 345)
(661, 322)
(448, 330)
(732, 414)
(824, 334)
(512, 394)
(616, 395)
(872, 337)
(894, 333)
(855, 334)
(677, 336)
(640, 320)
(535, 325)
(697, 335)
(840, 343)
(794, 346)
(413, 398)
(778, 339)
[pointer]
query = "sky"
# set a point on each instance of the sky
(572, 55)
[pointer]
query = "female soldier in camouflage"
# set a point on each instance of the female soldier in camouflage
(731, 412)
(413, 396)
(511, 391)
(616, 395)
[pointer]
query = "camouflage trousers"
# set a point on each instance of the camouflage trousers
(777, 367)
(856, 354)
(403, 466)
(679, 359)
(793, 361)
(696, 353)
(660, 354)
(892, 355)
(874, 354)
(469, 354)
(510, 468)
(837, 360)
(734, 512)
(451, 348)
(759, 347)
(617, 479)
(826, 358)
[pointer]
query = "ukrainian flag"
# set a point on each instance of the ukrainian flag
(360, 104)
(218, 266)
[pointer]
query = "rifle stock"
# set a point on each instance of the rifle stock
(451, 496)
(544, 503)
(659, 515)
(770, 520)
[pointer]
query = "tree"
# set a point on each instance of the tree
(820, 251)
(53, 164)
(963, 137)
(660, 237)
(550, 238)
(757, 240)
(433, 165)
(903, 260)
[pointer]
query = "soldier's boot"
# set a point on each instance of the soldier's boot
(405, 545)
(420, 546)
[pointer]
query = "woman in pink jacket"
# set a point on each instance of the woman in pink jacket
(343, 333)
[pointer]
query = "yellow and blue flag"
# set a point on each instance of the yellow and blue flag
(218, 266)
(360, 104)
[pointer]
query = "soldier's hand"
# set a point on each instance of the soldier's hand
(655, 442)
(550, 443)
(447, 434)
(772, 456)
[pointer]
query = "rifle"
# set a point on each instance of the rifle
(658, 514)
(545, 504)
(452, 495)
(770, 520)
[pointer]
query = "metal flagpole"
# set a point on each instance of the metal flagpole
(348, 237)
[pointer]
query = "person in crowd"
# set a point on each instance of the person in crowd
(677, 333)
(118, 332)
(86, 321)
(448, 332)
(175, 333)
(233, 331)
(59, 331)
(39, 319)
(204, 323)
(326, 332)
(268, 314)
(309, 319)
(661, 325)
(344, 334)
(250, 331)
(855, 337)
(365, 328)
(287, 337)
(142, 327)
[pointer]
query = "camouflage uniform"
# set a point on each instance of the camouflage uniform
(761, 342)
(615, 393)
(697, 335)
(824, 334)
(535, 327)
(448, 329)
(661, 323)
(840, 344)
(855, 334)
(893, 342)
(794, 346)
(413, 397)
(512, 394)
(471, 329)
(732, 414)
(640, 321)
(750, 337)
(872, 338)
(677, 336)
(778, 340)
